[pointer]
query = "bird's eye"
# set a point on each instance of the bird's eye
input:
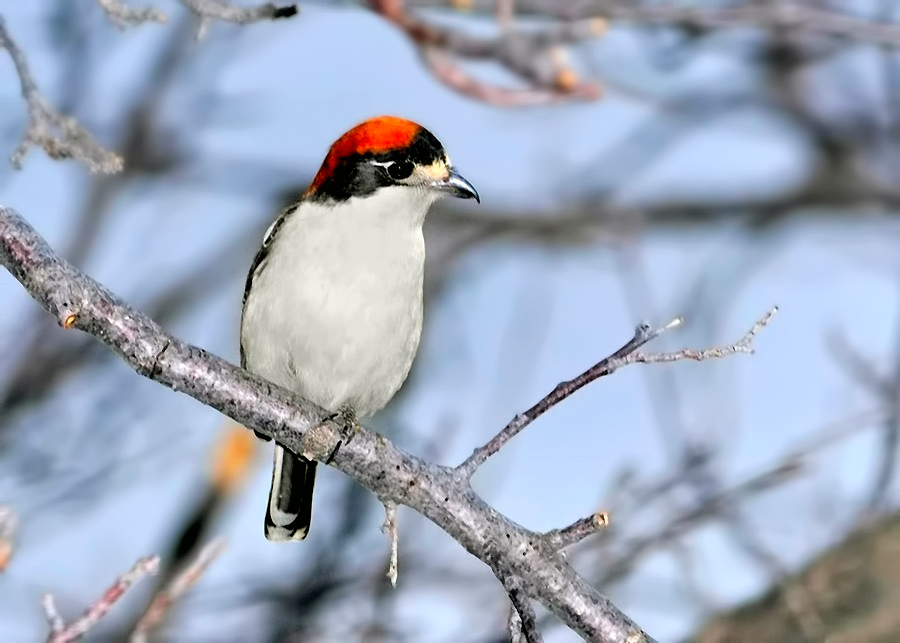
(399, 170)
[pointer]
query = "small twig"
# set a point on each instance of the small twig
(523, 627)
(57, 625)
(530, 55)
(61, 633)
(577, 531)
(181, 583)
(211, 10)
(642, 334)
(627, 354)
(453, 76)
(124, 16)
(60, 136)
(745, 345)
(389, 528)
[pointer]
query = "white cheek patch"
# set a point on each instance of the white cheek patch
(437, 171)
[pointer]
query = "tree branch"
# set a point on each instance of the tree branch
(123, 16)
(210, 10)
(61, 136)
(62, 633)
(533, 56)
(523, 626)
(175, 589)
(642, 334)
(627, 354)
(773, 16)
(439, 493)
(578, 530)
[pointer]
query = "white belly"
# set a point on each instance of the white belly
(335, 313)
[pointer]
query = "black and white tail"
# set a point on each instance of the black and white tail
(290, 498)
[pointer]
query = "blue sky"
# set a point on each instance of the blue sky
(292, 88)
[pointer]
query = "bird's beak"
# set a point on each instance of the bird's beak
(455, 185)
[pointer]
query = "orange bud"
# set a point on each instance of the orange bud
(233, 457)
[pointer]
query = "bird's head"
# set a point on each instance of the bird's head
(387, 152)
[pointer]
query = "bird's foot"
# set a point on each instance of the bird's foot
(350, 426)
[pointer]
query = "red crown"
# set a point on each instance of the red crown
(379, 134)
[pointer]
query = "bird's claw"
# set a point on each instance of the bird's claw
(350, 426)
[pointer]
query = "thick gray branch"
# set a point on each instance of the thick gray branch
(439, 493)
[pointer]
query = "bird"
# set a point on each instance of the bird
(333, 302)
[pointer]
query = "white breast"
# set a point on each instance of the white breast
(335, 309)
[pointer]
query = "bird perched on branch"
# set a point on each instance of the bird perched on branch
(333, 302)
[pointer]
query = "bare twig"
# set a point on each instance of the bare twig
(744, 345)
(389, 527)
(61, 633)
(218, 10)
(211, 10)
(530, 55)
(627, 354)
(439, 493)
(523, 625)
(181, 583)
(60, 136)
(643, 333)
(446, 70)
(124, 16)
(57, 625)
(578, 530)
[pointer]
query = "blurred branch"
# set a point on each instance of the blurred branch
(533, 56)
(60, 136)
(124, 16)
(210, 10)
(619, 567)
(62, 633)
(63, 137)
(181, 583)
(884, 388)
(771, 16)
(439, 493)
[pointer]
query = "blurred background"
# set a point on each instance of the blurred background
(708, 159)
